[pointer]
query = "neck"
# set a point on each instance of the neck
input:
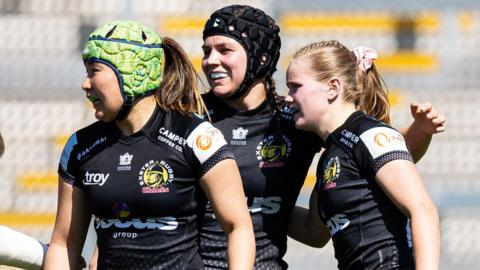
(138, 116)
(334, 119)
(252, 98)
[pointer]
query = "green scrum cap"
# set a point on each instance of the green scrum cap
(133, 51)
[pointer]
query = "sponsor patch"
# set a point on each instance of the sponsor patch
(381, 140)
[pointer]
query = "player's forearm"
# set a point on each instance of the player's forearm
(426, 238)
(241, 247)
(306, 231)
(297, 225)
(59, 256)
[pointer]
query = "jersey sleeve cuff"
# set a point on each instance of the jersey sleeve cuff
(67, 178)
(390, 156)
(221, 154)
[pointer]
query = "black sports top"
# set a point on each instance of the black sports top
(368, 230)
(274, 159)
(144, 188)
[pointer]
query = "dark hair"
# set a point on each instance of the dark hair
(179, 88)
(365, 89)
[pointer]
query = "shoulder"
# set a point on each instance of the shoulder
(82, 143)
(181, 124)
(97, 131)
(372, 135)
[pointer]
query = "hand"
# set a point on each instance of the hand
(427, 118)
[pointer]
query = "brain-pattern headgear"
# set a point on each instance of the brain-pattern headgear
(133, 51)
(256, 32)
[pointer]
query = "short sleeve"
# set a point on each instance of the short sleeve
(67, 166)
(208, 146)
(384, 144)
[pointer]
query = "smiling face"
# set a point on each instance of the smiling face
(306, 94)
(224, 64)
(103, 90)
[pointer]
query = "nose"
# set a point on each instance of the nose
(86, 85)
(288, 99)
(211, 58)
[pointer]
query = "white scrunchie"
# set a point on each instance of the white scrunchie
(365, 57)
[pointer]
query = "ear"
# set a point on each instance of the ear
(334, 88)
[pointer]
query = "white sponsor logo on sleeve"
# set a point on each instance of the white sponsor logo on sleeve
(381, 140)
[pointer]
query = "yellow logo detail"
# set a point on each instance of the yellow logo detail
(271, 151)
(331, 171)
(156, 175)
(382, 139)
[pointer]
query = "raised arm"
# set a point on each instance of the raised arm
(306, 226)
(401, 182)
(71, 226)
(427, 121)
(223, 187)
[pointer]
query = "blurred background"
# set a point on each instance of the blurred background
(428, 51)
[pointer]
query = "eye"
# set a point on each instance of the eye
(293, 87)
(225, 50)
(206, 52)
(91, 70)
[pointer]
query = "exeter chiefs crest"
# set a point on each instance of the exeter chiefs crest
(272, 151)
(331, 172)
(155, 176)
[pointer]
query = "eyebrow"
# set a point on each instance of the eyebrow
(221, 44)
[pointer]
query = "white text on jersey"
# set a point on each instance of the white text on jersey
(337, 223)
(95, 178)
(163, 223)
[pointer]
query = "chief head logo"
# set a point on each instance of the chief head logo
(155, 176)
(331, 172)
(272, 151)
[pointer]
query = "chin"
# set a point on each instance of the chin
(222, 93)
(100, 116)
(301, 124)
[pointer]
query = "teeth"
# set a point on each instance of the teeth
(218, 75)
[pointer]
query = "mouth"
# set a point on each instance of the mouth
(216, 76)
(93, 99)
(295, 111)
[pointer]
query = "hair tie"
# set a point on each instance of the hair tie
(365, 57)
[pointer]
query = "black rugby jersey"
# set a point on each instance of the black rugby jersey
(143, 189)
(273, 158)
(368, 230)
